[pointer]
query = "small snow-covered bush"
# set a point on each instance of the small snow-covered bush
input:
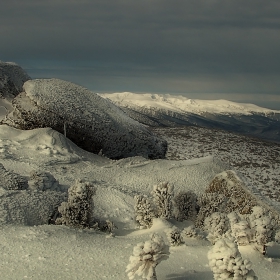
(216, 225)
(77, 212)
(263, 224)
(226, 262)
(11, 181)
(144, 212)
(209, 203)
(193, 232)
(40, 180)
(105, 226)
(185, 204)
(163, 195)
(146, 256)
(174, 236)
(240, 228)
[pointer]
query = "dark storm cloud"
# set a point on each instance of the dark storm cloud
(194, 46)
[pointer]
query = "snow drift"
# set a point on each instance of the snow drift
(91, 122)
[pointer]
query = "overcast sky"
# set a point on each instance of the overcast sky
(205, 49)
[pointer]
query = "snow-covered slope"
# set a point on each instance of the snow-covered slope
(57, 252)
(170, 110)
(92, 122)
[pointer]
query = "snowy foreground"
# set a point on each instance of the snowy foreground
(32, 251)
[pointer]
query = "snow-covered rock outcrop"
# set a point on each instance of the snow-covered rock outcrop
(91, 122)
(12, 78)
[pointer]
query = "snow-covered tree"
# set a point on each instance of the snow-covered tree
(264, 225)
(226, 262)
(240, 228)
(146, 256)
(41, 180)
(185, 204)
(216, 224)
(77, 212)
(209, 203)
(144, 212)
(174, 236)
(163, 195)
(193, 232)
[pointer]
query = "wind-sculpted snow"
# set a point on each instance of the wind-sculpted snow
(12, 78)
(91, 122)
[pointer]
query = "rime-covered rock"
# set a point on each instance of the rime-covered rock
(12, 181)
(90, 121)
(12, 78)
(239, 198)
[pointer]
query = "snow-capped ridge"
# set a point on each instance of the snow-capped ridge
(179, 103)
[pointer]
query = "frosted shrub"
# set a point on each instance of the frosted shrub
(144, 212)
(105, 226)
(146, 256)
(226, 262)
(40, 180)
(263, 224)
(163, 195)
(11, 181)
(185, 204)
(216, 225)
(192, 232)
(174, 236)
(240, 228)
(209, 203)
(77, 212)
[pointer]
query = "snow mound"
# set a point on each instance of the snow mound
(12, 78)
(92, 122)
(48, 145)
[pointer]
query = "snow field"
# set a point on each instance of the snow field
(58, 252)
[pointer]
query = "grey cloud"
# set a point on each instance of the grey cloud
(193, 45)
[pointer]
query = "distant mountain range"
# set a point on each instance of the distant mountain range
(170, 110)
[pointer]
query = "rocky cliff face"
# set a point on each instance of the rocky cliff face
(93, 123)
(12, 78)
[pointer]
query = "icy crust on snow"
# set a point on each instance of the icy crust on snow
(90, 121)
(183, 104)
(12, 78)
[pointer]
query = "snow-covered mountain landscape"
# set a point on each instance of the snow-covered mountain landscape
(169, 110)
(45, 175)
